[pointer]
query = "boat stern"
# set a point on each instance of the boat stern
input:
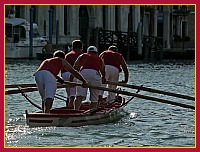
(40, 119)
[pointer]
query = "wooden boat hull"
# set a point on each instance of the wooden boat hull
(65, 117)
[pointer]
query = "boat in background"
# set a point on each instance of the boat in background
(44, 55)
(18, 39)
(67, 117)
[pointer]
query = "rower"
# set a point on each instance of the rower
(92, 68)
(46, 76)
(77, 47)
(47, 48)
(113, 61)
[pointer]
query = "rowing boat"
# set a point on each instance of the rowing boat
(67, 117)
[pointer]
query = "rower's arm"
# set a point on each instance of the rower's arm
(102, 70)
(125, 69)
(77, 65)
(73, 71)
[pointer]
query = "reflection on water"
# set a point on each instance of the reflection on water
(149, 123)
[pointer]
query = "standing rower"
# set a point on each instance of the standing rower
(113, 61)
(77, 47)
(46, 76)
(92, 68)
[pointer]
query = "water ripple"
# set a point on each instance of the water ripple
(148, 123)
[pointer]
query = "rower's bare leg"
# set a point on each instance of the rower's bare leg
(43, 102)
(71, 102)
(68, 93)
(77, 102)
(67, 102)
(100, 98)
(93, 105)
(48, 105)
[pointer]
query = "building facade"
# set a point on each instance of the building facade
(166, 26)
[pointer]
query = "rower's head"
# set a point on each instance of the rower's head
(113, 48)
(59, 53)
(92, 49)
(77, 44)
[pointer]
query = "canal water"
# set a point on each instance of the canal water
(148, 123)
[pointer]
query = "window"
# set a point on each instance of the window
(184, 29)
(8, 30)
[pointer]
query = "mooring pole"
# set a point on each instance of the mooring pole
(50, 25)
(57, 32)
(31, 34)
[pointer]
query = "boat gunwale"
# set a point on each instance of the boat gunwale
(65, 115)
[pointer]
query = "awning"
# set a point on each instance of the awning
(15, 21)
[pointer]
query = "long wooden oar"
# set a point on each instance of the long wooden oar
(27, 98)
(20, 85)
(152, 90)
(34, 85)
(31, 89)
(111, 90)
(8, 92)
(134, 94)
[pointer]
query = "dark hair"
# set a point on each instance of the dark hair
(113, 48)
(77, 44)
(59, 53)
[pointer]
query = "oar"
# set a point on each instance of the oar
(27, 98)
(31, 89)
(111, 90)
(20, 85)
(8, 92)
(133, 94)
(34, 85)
(152, 90)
